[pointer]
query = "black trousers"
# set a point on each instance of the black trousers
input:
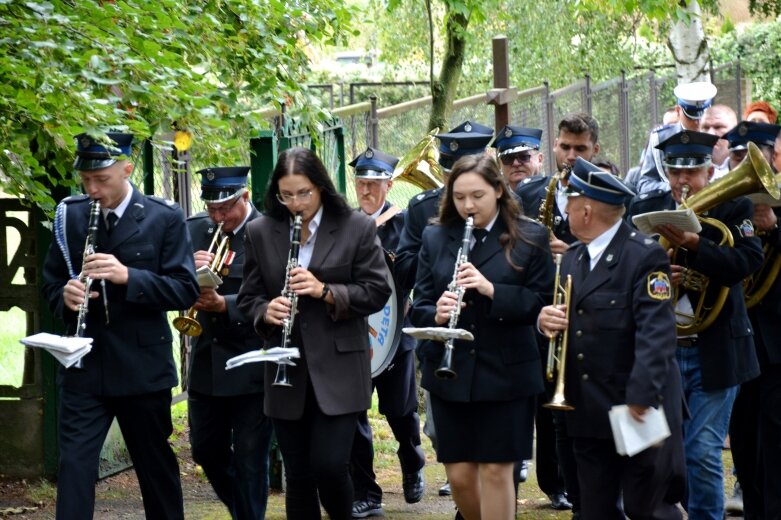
(605, 476)
(549, 476)
(230, 439)
(145, 421)
(567, 462)
(316, 453)
(398, 401)
(770, 439)
(745, 448)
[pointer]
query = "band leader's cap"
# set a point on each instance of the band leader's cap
(95, 153)
(515, 139)
(590, 181)
(374, 164)
(695, 97)
(468, 138)
(219, 184)
(688, 149)
(749, 131)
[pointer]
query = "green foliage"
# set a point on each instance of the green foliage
(68, 67)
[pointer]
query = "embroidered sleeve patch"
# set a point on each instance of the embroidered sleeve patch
(659, 286)
(746, 228)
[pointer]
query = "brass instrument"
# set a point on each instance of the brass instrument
(445, 370)
(752, 175)
(188, 324)
(756, 286)
(420, 166)
(557, 346)
(281, 378)
(89, 249)
(545, 215)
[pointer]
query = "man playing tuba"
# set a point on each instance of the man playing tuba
(715, 360)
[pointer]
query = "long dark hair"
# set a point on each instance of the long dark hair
(510, 212)
(303, 161)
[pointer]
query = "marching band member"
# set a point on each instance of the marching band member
(340, 279)
(396, 386)
(145, 258)
(715, 361)
(468, 138)
(718, 120)
(483, 418)
(229, 434)
(518, 151)
(620, 350)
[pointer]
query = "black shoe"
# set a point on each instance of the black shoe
(414, 486)
(366, 508)
(444, 491)
(523, 473)
(559, 502)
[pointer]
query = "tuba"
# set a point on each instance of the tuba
(756, 286)
(420, 166)
(752, 175)
(557, 346)
(188, 324)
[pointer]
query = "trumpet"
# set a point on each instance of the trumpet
(445, 370)
(89, 249)
(557, 346)
(281, 378)
(188, 324)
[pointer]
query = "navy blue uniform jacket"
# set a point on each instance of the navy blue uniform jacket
(503, 362)
(132, 354)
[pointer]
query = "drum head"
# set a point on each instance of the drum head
(385, 330)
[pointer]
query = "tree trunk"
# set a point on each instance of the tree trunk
(688, 45)
(443, 90)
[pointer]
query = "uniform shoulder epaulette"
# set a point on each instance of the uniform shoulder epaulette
(168, 203)
(198, 216)
(653, 194)
(640, 238)
(426, 195)
(524, 218)
(75, 198)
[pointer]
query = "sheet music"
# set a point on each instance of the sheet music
(438, 333)
(632, 437)
(275, 355)
(764, 198)
(683, 219)
(207, 279)
(66, 349)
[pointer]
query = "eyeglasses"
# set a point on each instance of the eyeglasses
(289, 198)
(522, 157)
(224, 209)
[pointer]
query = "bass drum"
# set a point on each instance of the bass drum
(385, 330)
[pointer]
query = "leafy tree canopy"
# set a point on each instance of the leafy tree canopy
(146, 65)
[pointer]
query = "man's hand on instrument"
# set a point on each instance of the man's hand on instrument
(637, 411)
(210, 301)
(102, 266)
(557, 246)
(470, 277)
(764, 218)
(446, 303)
(277, 310)
(678, 237)
(678, 271)
(552, 320)
(303, 283)
(202, 258)
(73, 294)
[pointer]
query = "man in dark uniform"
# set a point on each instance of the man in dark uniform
(716, 360)
(754, 424)
(466, 139)
(620, 352)
(142, 268)
(229, 433)
(578, 138)
(518, 151)
(396, 386)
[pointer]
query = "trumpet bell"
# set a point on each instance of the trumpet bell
(188, 326)
(420, 166)
(559, 403)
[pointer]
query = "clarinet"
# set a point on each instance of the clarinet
(89, 249)
(445, 370)
(281, 378)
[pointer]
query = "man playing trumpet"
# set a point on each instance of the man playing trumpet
(621, 351)
(715, 360)
(229, 433)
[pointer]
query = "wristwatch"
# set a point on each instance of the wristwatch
(325, 292)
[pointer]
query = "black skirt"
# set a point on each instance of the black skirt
(494, 431)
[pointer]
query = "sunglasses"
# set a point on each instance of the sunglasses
(522, 157)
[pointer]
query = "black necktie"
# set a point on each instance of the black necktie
(111, 221)
(479, 235)
(585, 264)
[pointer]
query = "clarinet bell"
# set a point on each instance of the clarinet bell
(281, 378)
(445, 370)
